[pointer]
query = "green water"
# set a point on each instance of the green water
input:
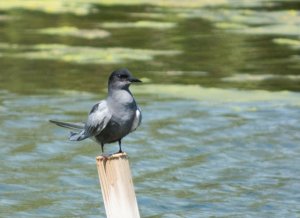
(220, 101)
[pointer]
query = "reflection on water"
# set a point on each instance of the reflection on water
(147, 39)
(220, 105)
(86, 55)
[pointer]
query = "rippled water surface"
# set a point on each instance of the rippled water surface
(220, 101)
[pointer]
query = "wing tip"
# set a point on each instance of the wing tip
(74, 136)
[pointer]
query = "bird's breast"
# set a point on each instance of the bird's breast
(117, 128)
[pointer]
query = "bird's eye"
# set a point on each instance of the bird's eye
(122, 76)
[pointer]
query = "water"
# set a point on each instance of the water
(220, 133)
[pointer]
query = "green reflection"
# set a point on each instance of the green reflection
(73, 31)
(140, 24)
(91, 55)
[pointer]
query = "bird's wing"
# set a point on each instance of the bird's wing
(97, 120)
(137, 120)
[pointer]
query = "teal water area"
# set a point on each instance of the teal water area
(220, 102)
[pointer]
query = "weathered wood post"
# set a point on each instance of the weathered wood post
(117, 186)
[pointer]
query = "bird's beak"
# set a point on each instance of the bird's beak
(134, 80)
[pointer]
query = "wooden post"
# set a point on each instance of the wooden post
(117, 186)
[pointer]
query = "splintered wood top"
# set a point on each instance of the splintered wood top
(112, 156)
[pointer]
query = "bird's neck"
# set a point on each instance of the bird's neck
(120, 96)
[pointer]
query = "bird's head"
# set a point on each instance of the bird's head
(121, 79)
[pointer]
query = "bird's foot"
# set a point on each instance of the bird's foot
(105, 157)
(118, 152)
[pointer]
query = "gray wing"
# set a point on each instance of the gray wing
(137, 120)
(97, 119)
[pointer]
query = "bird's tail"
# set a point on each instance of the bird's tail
(77, 136)
(76, 126)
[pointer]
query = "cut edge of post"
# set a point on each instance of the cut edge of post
(112, 156)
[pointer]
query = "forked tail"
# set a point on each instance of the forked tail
(74, 136)
(69, 125)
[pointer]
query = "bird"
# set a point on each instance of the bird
(111, 119)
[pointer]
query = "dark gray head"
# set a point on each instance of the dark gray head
(121, 79)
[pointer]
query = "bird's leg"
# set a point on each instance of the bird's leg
(102, 148)
(103, 155)
(120, 145)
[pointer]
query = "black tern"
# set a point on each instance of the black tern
(111, 119)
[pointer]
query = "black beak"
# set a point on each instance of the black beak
(134, 80)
